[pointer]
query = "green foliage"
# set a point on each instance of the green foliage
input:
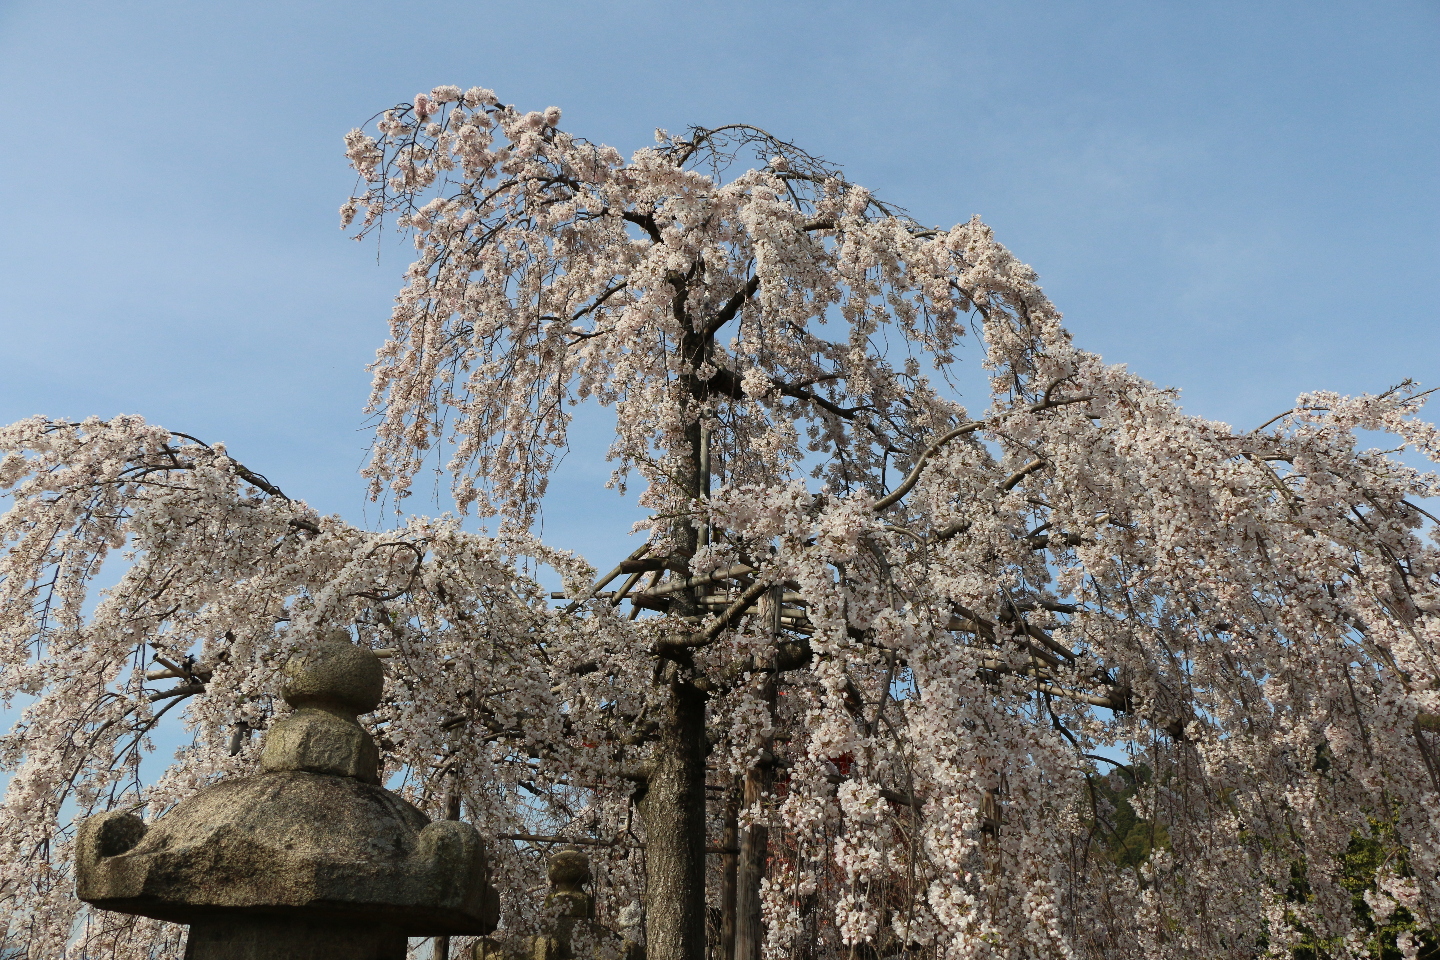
(1367, 853)
(1127, 837)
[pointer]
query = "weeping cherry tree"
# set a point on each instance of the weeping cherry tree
(881, 664)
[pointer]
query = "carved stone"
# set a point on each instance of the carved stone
(569, 906)
(311, 857)
(567, 900)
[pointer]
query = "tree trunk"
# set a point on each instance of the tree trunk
(729, 842)
(754, 851)
(673, 805)
(673, 808)
(452, 812)
(755, 840)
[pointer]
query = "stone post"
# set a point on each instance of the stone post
(567, 902)
(568, 906)
(311, 858)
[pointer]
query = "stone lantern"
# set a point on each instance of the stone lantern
(571, 912)
(310, 858)
(567, 902)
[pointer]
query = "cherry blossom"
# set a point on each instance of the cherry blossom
(887, 657)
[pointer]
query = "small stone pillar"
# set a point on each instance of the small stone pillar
(311, 858)
(568, 905)
(567, 902)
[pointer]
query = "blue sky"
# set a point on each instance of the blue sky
(1237, 199)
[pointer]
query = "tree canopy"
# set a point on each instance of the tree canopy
(1072, 673)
